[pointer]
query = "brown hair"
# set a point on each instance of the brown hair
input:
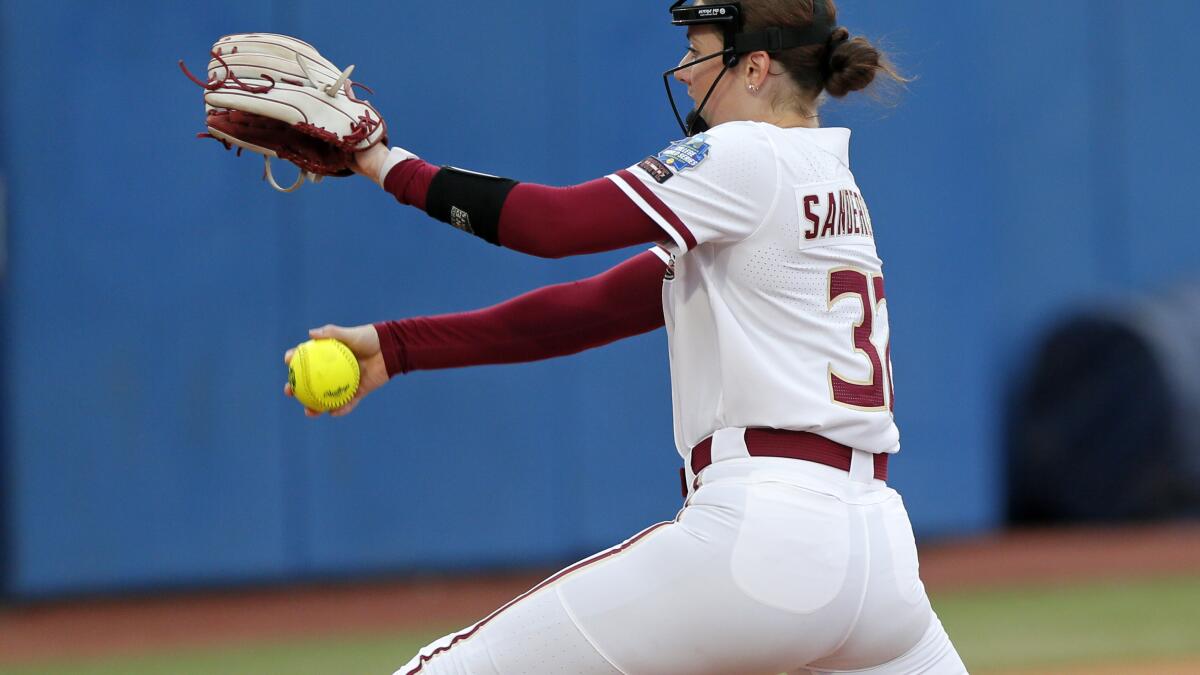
(840, 66)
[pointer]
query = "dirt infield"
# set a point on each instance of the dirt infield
(114, 626)
(1058, 555)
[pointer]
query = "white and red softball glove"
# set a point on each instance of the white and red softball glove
(277, 96)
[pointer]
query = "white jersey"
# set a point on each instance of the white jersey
(775, 307)
(777, 318)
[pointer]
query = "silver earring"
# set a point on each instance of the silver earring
(753, 89)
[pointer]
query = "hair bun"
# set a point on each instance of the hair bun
(837, 37)
(851, 63)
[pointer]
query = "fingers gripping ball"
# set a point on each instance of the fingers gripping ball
(323, 374)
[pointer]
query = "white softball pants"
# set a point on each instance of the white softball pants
(773, 566)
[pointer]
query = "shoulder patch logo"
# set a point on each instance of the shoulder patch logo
(685, 154)
(657, 170)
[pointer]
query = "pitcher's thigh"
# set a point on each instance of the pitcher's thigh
(532, 634)
(674, 604)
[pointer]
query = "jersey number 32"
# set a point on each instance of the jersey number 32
(877, 393)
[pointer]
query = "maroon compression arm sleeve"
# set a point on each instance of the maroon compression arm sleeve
(552, 321)
(553, 222)
(549, 222)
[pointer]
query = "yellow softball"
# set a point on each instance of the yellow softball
(323, 374)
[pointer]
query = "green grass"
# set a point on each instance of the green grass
(993, 630)
(1125, 622)
(381, 654)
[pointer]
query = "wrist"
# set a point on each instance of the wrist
(388, 161)
(391, 346)
(376, 161)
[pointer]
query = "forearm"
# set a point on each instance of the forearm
(549, 222)
(552, 321)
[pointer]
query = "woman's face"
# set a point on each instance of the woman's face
(702, 41)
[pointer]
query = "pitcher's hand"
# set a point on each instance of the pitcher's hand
(364, 342)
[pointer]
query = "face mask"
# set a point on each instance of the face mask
(695, 121)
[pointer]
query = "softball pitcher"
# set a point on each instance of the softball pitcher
(791, 553)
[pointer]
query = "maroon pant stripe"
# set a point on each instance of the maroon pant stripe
(562, 573)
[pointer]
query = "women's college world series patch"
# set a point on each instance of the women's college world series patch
(685, 154)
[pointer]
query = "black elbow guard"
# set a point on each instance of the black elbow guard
(469, 201)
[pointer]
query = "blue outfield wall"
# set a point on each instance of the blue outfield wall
(1036, 164)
